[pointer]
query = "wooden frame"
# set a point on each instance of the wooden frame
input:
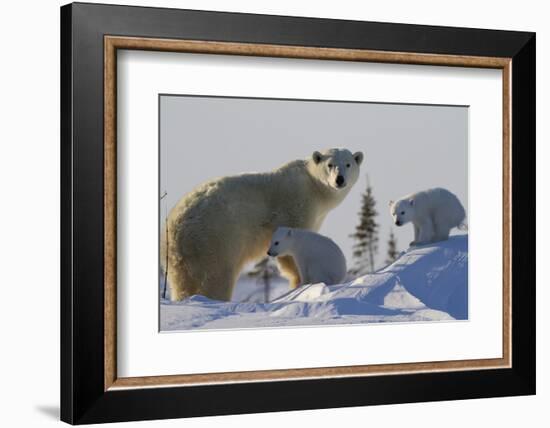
(513, 53)
(112, 43)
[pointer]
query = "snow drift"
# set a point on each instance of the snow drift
(426, 283)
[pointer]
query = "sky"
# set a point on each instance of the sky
(407, 148)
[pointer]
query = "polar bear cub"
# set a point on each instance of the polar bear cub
(433, 213)
(317, 257)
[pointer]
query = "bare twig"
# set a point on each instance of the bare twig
(166, 263)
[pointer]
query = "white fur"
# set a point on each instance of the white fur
(225, 223)
(433, 213)
(317, 257)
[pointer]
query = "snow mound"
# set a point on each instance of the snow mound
(426, 283)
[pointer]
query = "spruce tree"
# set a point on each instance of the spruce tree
(264, 271)
(366, 234)
(392, 249)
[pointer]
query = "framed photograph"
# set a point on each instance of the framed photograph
(318, 213)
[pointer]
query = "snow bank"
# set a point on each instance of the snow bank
(427, 283)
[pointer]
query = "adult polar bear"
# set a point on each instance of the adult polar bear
(227, 222)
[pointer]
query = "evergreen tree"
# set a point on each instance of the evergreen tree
(392, 248)
(366, 234)
(264, 271)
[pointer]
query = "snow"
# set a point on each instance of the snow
(252, 290)
(425, 283)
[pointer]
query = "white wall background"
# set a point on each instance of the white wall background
(29, 218)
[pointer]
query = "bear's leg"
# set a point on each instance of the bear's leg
(426, 232)
(179, 282)
(219, 283)
(416, 235)
(441, 232)
(289, 270)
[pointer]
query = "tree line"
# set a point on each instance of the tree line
(365, 236)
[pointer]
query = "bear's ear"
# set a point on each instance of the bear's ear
(411, 202)
(317, 157)
(390, 203)
(358, 156)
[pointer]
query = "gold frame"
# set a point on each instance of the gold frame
(113, 43)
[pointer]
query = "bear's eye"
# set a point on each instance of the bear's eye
(330, 165)
(348, 165)
(402, 212)
(276, 243)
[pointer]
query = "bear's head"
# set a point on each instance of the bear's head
(336, 168)
(402, 211)
(280, 242)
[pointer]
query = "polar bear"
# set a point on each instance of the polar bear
(433, 213)
(317, 257)
(212, 232)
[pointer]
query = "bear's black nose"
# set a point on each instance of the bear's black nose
(340, 180)
(397, 223)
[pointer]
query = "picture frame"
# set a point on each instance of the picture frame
(91, 35)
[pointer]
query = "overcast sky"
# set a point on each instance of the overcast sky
(407, 148)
